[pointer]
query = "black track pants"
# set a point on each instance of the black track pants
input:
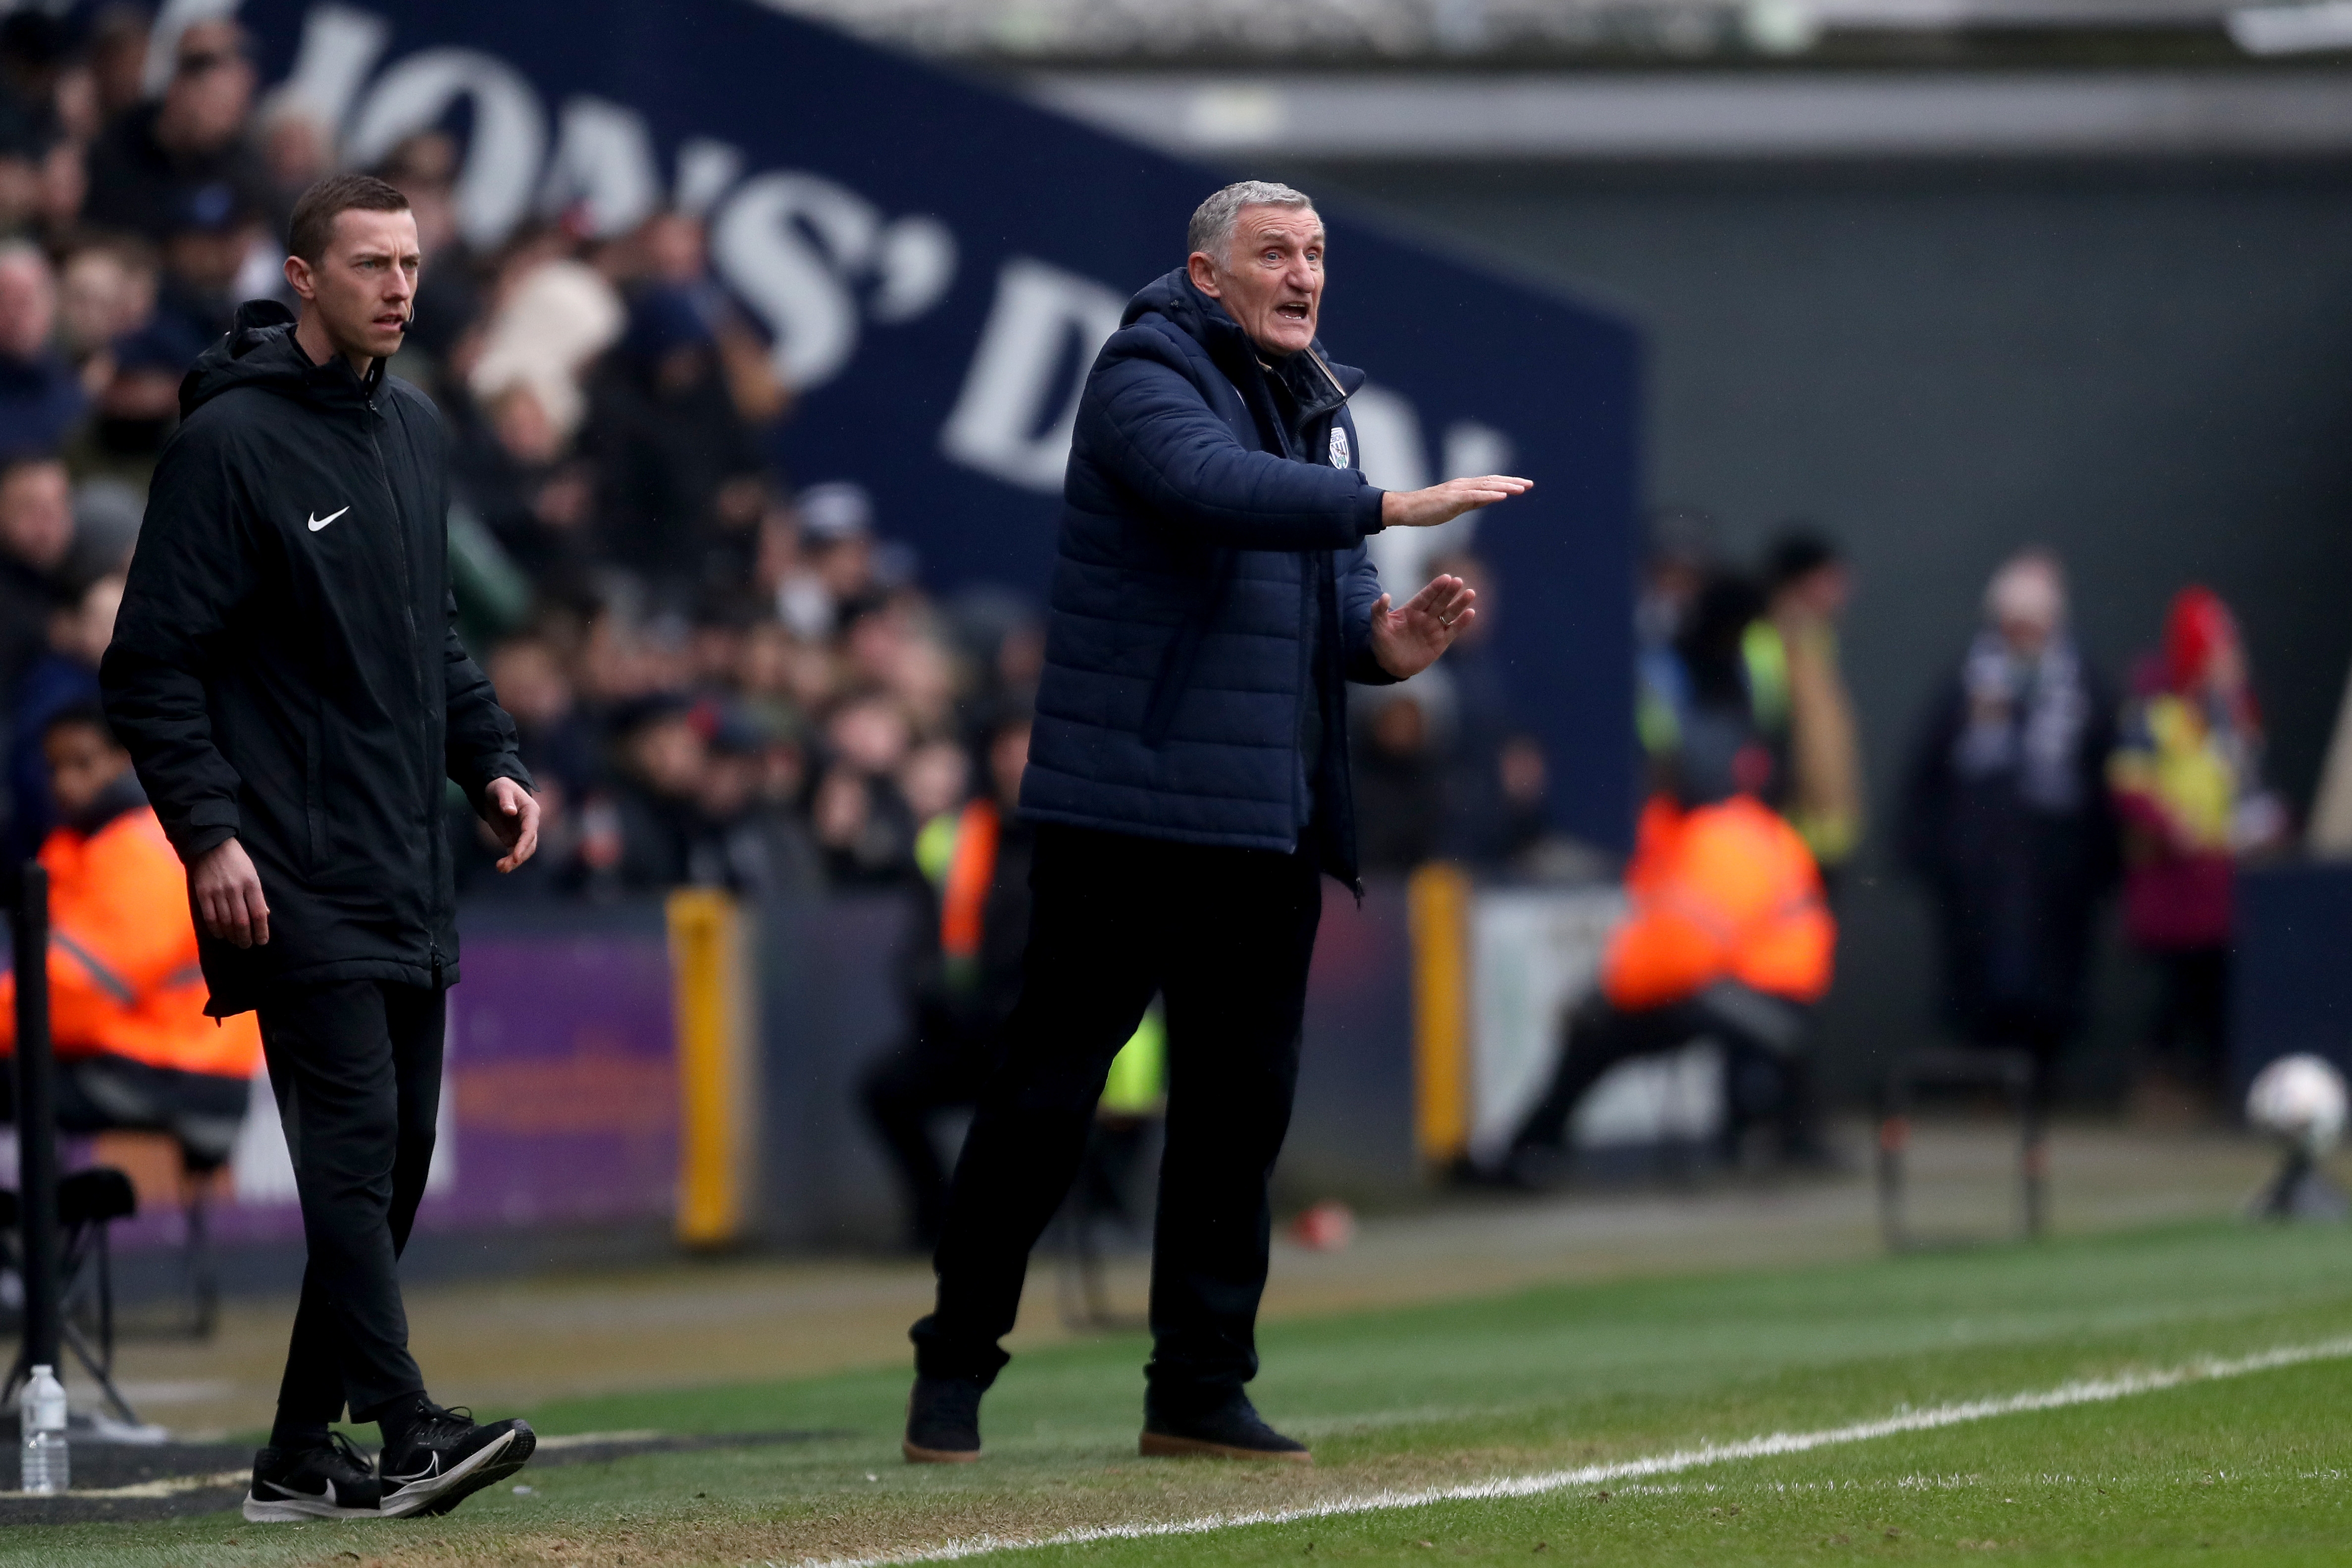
(1225, 936)
(356, 1067)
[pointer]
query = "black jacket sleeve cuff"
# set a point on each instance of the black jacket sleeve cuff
(1367, 512)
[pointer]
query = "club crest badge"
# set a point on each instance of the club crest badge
(1339, 447)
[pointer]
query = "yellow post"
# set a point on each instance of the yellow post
(717, 1092)
(1438, 905)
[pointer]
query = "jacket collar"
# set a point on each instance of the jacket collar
(1318, 384)
(259, 350)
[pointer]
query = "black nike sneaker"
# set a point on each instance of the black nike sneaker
(331, 1480)
(943, 1421)
(1232, 1431)
(446, 1458)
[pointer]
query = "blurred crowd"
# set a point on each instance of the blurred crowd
(2033, 787)
(722, 677)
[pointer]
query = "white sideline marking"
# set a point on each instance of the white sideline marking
(2087, 1391)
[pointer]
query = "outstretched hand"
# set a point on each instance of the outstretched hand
(1444, 503)
(514, 818)
(1408, 641)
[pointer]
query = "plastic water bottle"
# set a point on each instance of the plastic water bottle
(42, 1410)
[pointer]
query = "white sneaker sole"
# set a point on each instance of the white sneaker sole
(417, 1496)
(299, 1510)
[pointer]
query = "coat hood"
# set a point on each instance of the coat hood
(260, 350)
(1175, 298)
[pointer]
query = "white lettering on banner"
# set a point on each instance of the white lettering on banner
(797, 247)
(340, 46)
(1015, 417)
(707, 170)
(789, 243)
(913, 266)
(502, 156)
(603, 158)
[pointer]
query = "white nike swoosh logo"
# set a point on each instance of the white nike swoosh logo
(307, 1496)
(318, 522)
(432, 1468)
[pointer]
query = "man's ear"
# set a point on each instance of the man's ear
(299, 279)
(1201, 269)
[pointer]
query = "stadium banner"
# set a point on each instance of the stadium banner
(558, 1102)
(937, 261)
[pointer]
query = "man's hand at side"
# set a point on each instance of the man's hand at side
(227, 894)
(514, 818)
(1408, 641)
(1444, 503)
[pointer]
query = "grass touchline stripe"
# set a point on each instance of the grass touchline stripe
(2087, 1391)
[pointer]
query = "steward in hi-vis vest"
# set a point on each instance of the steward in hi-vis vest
(135, 1051)
(1727, 938)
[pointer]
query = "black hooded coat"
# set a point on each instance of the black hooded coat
(284, 669)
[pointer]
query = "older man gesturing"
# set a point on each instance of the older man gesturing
(1188, 772)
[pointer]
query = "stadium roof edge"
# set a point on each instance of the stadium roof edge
(1619, 116)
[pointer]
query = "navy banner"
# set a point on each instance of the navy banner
(937, 262)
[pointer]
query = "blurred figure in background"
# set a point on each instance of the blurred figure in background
(2006, 816)
(150, 161)
(36, 534)
(64, 679)
(135, 1051)
(1728, 936)
(963, 976)
(2186, 777)
(41, 396)
(1679, 555)
(1807, 585)
(1399, 740)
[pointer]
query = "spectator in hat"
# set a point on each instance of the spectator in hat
(204, 255)
(662, 757)
(2186, 777)
(41, 398)
(833, 580)
(151, 161)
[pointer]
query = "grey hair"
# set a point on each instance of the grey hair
(1211, 228)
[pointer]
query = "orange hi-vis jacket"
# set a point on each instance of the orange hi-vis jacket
(123, 980)
(1727, 892)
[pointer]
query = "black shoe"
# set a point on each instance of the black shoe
(943, 1421)
(446, 1459)
(1230, 1431)
(329, 1481)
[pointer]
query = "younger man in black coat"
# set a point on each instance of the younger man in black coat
(287, 677)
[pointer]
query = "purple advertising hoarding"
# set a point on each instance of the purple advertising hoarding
(559, 1102)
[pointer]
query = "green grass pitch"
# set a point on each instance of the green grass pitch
(2254, 1469)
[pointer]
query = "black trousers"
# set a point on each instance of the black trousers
(1225, 936)
(356, 1067)
(940, 1067)
(2190, 1031)
(1762, 1037)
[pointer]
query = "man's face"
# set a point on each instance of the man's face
(36, 514)
(28, 306)
(365, 283)
(211, 90)
(1271, 279)
(82, 763)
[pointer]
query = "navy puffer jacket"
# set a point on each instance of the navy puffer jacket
(1197, 522)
